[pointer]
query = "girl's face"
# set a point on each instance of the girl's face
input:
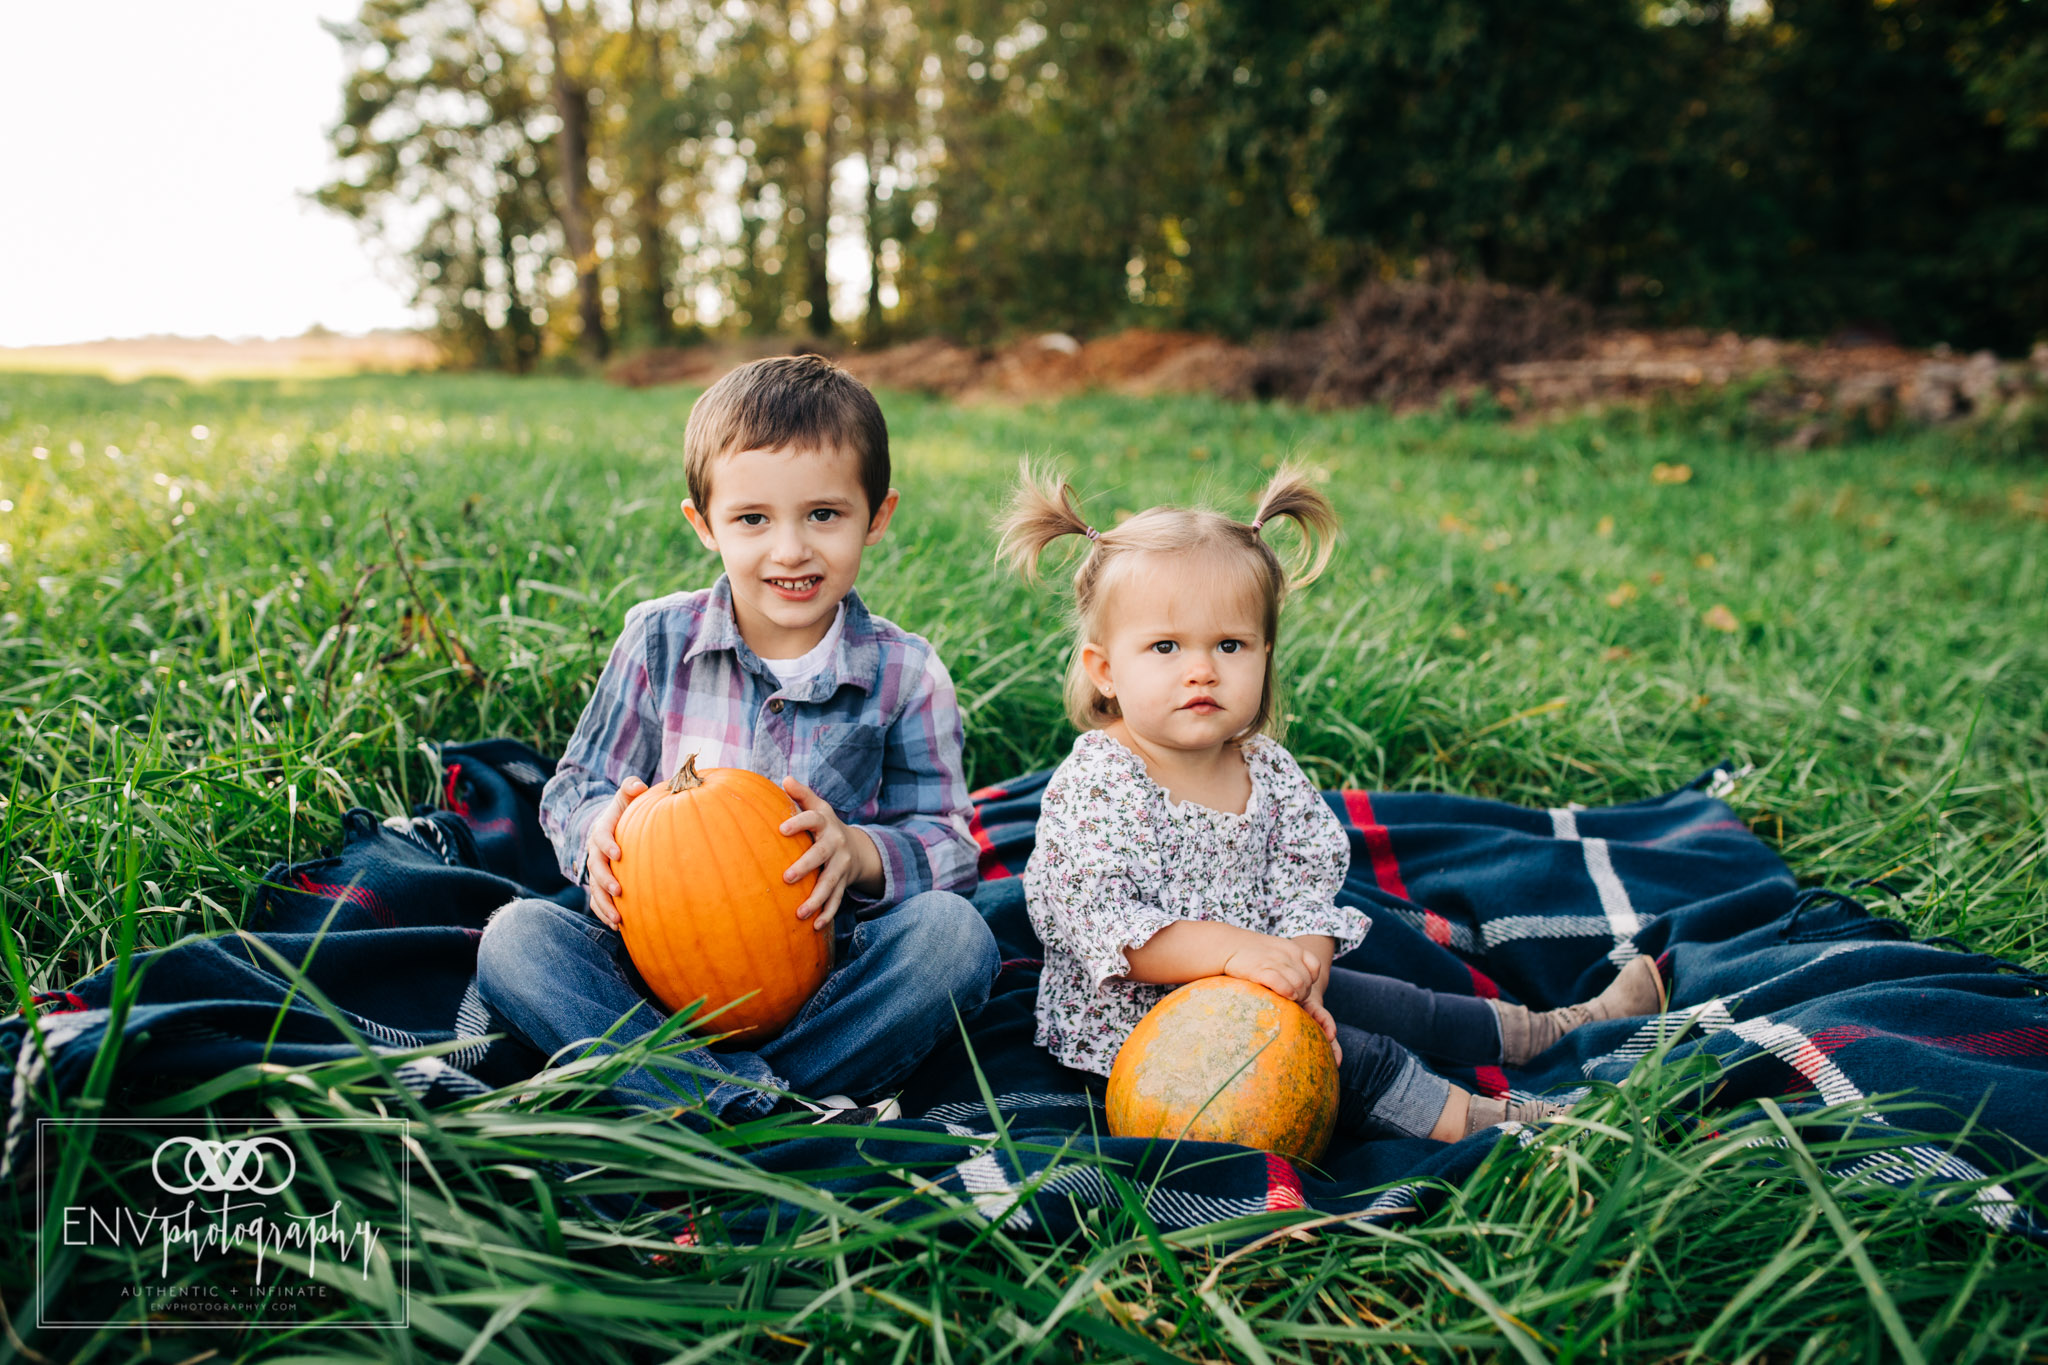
(1184, 654)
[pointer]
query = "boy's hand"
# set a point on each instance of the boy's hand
(842, 856)
(600, 850)
(1281, 965)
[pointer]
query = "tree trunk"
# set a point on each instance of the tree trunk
(650, 217)
(572, 106)
(875, 152)
(521, 332)
(873, 325)
(818, 196)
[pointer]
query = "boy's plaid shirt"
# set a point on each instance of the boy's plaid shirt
(876, 733)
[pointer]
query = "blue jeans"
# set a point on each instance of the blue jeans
(562, 979)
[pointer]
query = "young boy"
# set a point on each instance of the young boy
(779, 668)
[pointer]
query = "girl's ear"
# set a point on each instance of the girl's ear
(1095, 663)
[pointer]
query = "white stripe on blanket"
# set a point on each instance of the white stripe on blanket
(1622, 920)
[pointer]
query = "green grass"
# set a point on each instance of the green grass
(196, 684)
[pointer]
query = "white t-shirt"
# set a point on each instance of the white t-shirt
(794, 673)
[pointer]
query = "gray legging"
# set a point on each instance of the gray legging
(1382, 1023)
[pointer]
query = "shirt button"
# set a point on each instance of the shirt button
(776, 706)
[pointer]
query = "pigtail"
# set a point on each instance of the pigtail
(1292, 495)
(1040, 512)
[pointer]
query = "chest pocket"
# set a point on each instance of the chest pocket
(845, 766)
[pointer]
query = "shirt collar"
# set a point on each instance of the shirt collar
(856, 660)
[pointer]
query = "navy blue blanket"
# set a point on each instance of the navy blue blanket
(1803, 995)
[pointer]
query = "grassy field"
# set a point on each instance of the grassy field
(208, 650)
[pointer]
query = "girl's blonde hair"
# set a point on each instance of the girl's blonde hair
(1043, 509)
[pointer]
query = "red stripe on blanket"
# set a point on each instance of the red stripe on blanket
(448, 796)
(354, 895)
(987, 794)
(686, 1238)
(1492, 1081)
(1379, 846)
(992, 869)
(1283, 1185)
(2030, 1041)
(1482, 984)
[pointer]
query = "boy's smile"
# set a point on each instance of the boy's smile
(790, 526)
(798, 589)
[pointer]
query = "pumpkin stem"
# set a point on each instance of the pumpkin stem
(686, 776)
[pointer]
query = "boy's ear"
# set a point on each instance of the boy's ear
(700, 526)
(879, 521)
(1095, 663)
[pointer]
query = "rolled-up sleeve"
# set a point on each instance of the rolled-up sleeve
(920, 824)
(618, 736)
(1084, 888)
(1307, 858)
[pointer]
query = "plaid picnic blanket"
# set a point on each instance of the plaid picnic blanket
(1801, 995)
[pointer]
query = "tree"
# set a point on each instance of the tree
(558, 173)
(443, 109)
(572, 172)
(1814, 164)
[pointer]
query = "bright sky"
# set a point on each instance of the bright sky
(153, 155)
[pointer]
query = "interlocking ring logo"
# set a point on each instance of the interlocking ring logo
(225, 1167)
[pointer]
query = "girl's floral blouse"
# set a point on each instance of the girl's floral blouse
(1116, 862)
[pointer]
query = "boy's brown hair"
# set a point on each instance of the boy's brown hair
(782, 401)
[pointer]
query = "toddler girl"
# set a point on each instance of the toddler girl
(1179, 840)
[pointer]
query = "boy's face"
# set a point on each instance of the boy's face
(790, 525)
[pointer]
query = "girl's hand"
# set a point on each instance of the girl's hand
(1281, 965)
(601, 850)
(841, 855)
(1324, 948)
(1316, 1011)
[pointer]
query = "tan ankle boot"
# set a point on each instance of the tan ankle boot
(1526, 1033)
(1485, 1111)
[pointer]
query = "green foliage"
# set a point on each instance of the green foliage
(1515, 611)
(1806, 166)
(1085, 186)
(1791, 167)
(1023, 166)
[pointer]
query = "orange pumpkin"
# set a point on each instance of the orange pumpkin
(702, 905)
(1224, 1060)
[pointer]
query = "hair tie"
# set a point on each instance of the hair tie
(1256, 524)
(1093, 534)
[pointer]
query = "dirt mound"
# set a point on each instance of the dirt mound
(1406, 341)
(1875, 384)
(933, 365)
(1054, 364)
(700, 365)
(1208, 365)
